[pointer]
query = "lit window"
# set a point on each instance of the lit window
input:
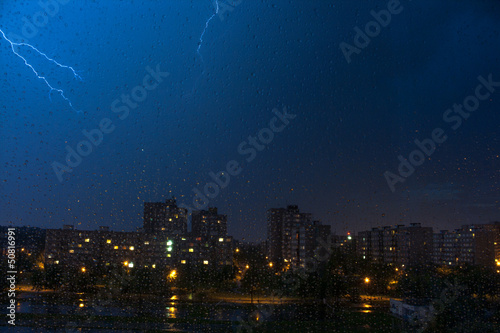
(131, 265)
(183, 261)
(87, 240)
(205, 262)
(191, 250)
(154, 266)
(162, 229)
(79, 245)
(131, 248)
(169, 255)
(116, 247)
(169, 243)
(108, 241)
(221, 239)
(71, 251)
(169, 249)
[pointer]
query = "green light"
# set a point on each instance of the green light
(169, 243)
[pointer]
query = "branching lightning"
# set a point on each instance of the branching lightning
(60, 91)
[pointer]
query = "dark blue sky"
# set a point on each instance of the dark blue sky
(353, 119)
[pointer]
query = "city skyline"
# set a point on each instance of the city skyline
(292, 240)
(346, 228)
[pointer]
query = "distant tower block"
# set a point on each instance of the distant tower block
(208, 223)
(165, 218)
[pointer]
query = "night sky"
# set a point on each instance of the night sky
(352, 119)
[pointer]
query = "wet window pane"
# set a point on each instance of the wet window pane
(258, 166)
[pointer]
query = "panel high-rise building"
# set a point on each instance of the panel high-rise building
(208, 223)
(398, 245)
(292, 236)
(165, 218)
(474, 244)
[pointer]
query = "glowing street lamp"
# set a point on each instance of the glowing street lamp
(367, 280)
(173, 274)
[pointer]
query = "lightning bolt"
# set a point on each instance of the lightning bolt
(59, 91)
(200, 43)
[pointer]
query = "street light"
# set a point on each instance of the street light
(173, 274)
(367, 280)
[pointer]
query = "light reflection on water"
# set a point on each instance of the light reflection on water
(171, 312)
(167, 308)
